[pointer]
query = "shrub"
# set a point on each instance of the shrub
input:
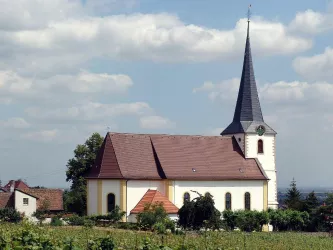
(152, 214)
(9, 215)
(55, 221)
(75, 220)
(200, 212)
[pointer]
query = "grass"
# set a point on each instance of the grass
(211, 240)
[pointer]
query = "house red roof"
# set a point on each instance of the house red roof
(178, 157)
(6, 200)
(153, 197)
(51, 197)
(17, 185)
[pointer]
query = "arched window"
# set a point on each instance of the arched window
(111, 202)
(187, 197)
(247, 198)
(228, 201)
(260, 146)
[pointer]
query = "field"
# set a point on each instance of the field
(135, 240)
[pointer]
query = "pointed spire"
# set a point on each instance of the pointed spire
(248, 105)
(248, 113)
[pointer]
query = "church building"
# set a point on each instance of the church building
(236, 167)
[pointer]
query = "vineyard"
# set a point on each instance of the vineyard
(26, 236)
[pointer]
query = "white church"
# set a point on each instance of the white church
(237, 167)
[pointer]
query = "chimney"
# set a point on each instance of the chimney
(12, 187)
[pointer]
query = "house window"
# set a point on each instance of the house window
(187, 197)
(228, 201)
(260, 147)
(26, 201)
(111, 202)
(247, 198)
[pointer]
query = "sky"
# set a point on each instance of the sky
(69, 68)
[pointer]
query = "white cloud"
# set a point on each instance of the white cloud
(61, 36)
(156, 122)
(88, 112)
(225, 90)
(14, 87)
(278, 92)
(311, 22)
(317, 67)
(43, 135)
(15, 122)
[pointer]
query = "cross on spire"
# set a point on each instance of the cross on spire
(249, 13)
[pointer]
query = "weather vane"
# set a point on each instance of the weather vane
(249, 13)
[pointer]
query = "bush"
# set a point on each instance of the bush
(56, 222)
(292, 220)
(75, 220)
(152, 214)
(200, 212)
(9, 215)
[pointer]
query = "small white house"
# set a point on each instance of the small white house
(26, 200)
(25, 203)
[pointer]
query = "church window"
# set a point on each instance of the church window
(260, 147)
(187, 197)
(111, 202)
(228, 201)
(247, 198)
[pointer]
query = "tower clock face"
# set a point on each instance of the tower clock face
(261, 130)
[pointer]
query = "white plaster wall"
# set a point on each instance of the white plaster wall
(29, 209)
(218, 189)
(132, 217)
(92, 197)
(137, 188)
(110, 186)
(267, 160)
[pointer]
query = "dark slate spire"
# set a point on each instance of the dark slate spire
(248, 105)
(248, 115)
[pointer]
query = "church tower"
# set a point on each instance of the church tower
(254, 136)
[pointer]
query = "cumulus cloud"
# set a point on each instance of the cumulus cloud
(278, 92)
(316, 67)
(15, 123)
(156, 122)
(311, 22)
(15, 87)
(61, 36)
(87, 112)
(43, 135)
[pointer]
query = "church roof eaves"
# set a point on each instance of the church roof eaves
(180, 157)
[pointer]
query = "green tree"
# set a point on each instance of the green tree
(84, 157)
(311, 202)
(293, 200)
(329, 199)
(200, 212)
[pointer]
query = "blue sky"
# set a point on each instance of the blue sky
(70, 68)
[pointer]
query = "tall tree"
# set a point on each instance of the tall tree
(311, 202)
(293, 199)
(85, 154)
(329, 199)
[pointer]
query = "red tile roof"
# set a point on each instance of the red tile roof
(153, 197)
(52, 197)
(177, 157)
(6, 200)
(18, 184)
